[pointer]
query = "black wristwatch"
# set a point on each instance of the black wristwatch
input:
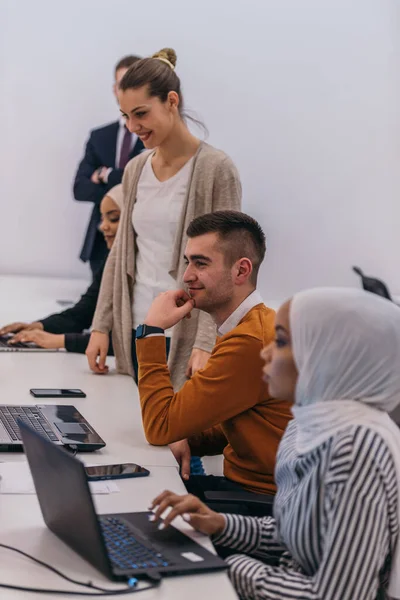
(144, 330)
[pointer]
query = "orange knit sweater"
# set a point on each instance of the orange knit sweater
(223, 408)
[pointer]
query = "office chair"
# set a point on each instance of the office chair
(241, 503)
(370, 284)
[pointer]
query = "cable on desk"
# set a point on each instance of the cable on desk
(153, 582)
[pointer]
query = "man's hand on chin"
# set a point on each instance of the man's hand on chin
(169, 308)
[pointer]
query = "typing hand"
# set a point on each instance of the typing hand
(182, 454)
(169, 308)
(198, 360)
(18, 326)
(192, 510)
(96, 352)
(40, 338)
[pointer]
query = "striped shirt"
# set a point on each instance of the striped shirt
(334, 529)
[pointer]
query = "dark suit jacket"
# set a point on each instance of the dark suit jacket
(73, 321)
(100, 152)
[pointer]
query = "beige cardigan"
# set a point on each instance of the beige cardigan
(213, 185)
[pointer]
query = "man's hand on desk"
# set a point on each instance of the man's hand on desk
(169, 308)
(40, 338)
(192, 510)
(18, 326)
(182, 454)
(96, 352)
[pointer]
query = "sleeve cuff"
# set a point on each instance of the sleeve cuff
(151, 349)
(107, 175)
(228, 532)
(69, 342)
(100, 328)
(76, 342)
(156, 335)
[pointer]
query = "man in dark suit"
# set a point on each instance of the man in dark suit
(108, 150)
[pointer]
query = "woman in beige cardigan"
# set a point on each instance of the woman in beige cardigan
(178, 179)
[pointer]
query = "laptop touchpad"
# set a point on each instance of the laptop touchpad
(72, 428)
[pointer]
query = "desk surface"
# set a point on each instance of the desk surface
(112, 407)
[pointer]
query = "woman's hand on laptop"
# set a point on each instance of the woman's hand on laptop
(18, 326)
(191, 509)
(40, 338)
(96, 352)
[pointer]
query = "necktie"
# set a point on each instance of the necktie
(125, 149)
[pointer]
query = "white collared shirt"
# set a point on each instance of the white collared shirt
(234, 319)
(120, 139)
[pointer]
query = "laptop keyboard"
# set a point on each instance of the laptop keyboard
(125, 551)
(4, 339)
(29, 415)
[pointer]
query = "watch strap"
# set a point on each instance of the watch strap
(145, 330)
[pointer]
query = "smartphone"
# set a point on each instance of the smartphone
(121, 471)
(57, 393)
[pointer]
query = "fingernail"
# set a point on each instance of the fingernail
(161, 526)
(186, 517)
(152, 517)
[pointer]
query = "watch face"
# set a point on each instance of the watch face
(140, 331)
(143, 330)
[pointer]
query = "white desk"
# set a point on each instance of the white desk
(112, 408)
(111, 405)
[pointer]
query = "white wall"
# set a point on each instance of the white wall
(303, 94)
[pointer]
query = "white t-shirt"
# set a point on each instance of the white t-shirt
(155, 217)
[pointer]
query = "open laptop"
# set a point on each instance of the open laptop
(120, 546)
(62, 425)
(21, 346)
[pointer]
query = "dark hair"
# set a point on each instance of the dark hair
(240, 235)
(159, 75)
(126, 62)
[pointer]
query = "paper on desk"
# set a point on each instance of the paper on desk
(16, 478)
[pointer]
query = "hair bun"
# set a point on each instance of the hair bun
(167, 54)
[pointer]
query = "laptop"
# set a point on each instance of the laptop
(63, 425)
(121, 545)
(21, 346)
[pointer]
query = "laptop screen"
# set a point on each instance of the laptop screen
(64, 498)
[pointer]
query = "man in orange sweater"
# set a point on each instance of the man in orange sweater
(224, 407)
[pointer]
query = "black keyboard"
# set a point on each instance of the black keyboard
(29, 415)
(4, 339)
(125, 551)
